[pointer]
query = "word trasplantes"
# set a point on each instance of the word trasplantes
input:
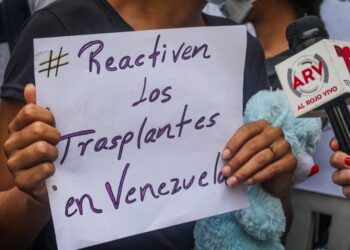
(84, 139)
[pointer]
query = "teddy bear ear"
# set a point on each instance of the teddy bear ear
(264, 219)
(268, 105)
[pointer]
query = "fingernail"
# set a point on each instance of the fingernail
(226, 154)
(249, 182)
(226, 170)
(347, 161)
(232, 181)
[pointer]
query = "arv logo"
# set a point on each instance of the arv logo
(308, 75)
(345, 54)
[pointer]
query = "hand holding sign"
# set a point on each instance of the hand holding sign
(258, 153)
(31, 147)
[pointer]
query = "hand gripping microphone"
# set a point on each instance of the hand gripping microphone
(316, 79)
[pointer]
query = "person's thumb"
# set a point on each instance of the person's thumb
(30, 93)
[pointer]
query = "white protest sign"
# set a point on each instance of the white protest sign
(143, 117)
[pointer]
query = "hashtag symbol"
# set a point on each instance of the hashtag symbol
(53, 64)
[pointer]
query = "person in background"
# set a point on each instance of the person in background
(269, 19)
(341, 162)
(31, 139)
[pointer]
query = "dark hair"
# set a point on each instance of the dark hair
(308, 7)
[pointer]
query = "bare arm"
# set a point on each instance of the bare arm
(22, 217)
(284, 185)
(8, 110)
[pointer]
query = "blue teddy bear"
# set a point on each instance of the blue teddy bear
(260, 226)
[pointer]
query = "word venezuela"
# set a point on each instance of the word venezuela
(121, 196)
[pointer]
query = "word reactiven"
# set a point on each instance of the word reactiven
(184, 52)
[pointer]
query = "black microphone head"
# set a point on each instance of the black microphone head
(305, 32)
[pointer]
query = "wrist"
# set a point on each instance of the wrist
(31, 203)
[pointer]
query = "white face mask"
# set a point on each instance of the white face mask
(237, 10)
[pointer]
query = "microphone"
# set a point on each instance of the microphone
(316, 79)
